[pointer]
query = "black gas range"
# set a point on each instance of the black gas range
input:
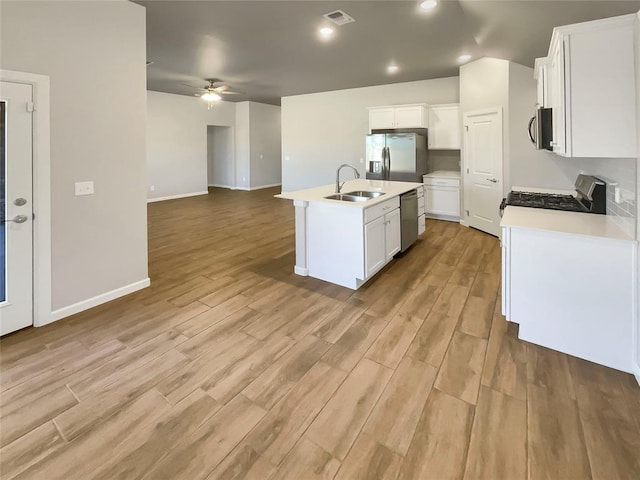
(591, 197)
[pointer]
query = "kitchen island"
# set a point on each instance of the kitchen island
(347, 242)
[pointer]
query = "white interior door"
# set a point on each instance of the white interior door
(483, 169)
(16, 207)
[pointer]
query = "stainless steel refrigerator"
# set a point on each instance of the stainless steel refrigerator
(396, 156)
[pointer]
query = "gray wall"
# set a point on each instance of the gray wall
(94, 53)
(177, 142)
(220, 156)
(322, 130)
(243, 145)
(484, 84)
(266, 146)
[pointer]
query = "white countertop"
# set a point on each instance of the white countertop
(444, 174)
(574, 223)
(317, 194)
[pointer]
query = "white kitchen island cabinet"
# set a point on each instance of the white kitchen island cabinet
(347, 243)
(568, 280)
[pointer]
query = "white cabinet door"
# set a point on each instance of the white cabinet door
(374, 245)
(542, 92)
(506, 271)
(444, 127)
(557, 98)
(421, 224)
(381, 118)
(392, 233)
(411, 117)
(442, 200)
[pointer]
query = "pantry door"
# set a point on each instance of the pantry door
(16, 206)
(483, 169)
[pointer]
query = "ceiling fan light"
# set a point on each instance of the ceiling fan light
(211, 97)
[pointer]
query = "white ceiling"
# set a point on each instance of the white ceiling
(270, 49)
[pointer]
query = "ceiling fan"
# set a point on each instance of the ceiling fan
(212, 93)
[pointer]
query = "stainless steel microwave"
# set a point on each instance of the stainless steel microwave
(541, 129)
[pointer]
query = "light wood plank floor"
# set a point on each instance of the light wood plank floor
(231, 367)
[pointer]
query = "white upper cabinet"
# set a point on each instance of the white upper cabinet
(444, 127)
(398, 116)
(540, 74)
(382, 118)
(590, 86)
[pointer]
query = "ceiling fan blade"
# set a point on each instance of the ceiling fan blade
(229, 92)
(199, 87)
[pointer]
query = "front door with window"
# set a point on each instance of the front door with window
(16, 207)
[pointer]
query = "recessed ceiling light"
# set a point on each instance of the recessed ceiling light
(326, 32)
(464, 58)
(392, 69)
(428, 4)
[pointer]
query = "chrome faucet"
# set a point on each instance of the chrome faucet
(355, 171)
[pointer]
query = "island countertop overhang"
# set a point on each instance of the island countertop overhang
(317, 194)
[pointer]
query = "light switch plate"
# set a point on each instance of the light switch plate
(84, 188)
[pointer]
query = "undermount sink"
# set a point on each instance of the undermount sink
(347, 198)
(365, 193)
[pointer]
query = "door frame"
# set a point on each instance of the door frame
(41, 191)
(465, 161)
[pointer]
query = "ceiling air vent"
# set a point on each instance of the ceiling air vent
(339, 17)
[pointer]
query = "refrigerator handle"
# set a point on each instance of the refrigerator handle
(388, 173)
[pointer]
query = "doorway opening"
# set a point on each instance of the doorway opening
(220, 159)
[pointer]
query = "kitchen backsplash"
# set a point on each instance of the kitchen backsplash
(443, 160)
(620, 172)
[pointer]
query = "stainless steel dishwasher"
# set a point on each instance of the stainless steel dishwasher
(409, 218)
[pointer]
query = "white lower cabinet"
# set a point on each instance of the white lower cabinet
(443, 201)
(421, 210)
(571, 293)
(347, 245)
(442, 195)
(381, 241)
(374, 245)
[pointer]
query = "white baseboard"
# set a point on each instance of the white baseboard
(259, 187)
(97, 300)
(448, 218)
(636, 373)
(246, 189)
(180, 195)
(301, 271)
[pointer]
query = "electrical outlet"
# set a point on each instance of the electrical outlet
(84, 188)
(616, 194)
(152, 188)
